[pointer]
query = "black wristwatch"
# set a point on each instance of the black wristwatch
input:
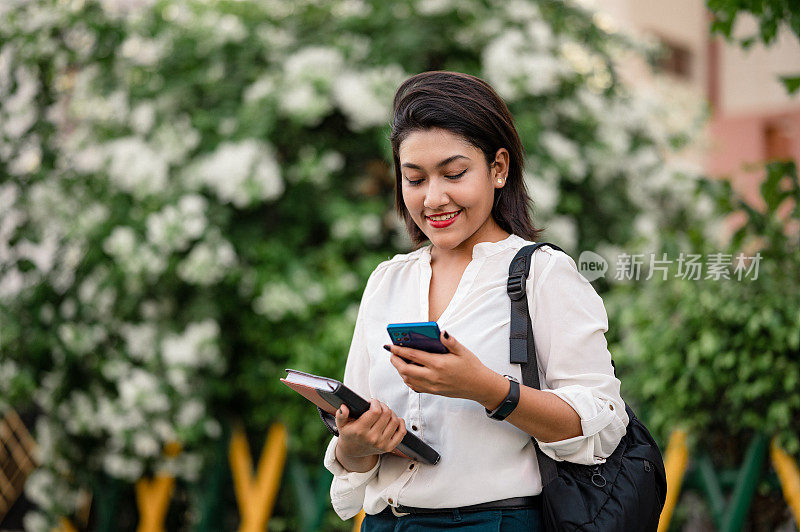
(509, 403)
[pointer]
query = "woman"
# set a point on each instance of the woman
(458, 164)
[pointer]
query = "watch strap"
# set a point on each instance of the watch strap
(509, 403)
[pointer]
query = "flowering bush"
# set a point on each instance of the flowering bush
(719, 356)
(194, 191)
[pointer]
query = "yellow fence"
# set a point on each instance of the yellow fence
(256, 494)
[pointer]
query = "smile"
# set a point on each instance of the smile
(443, 220)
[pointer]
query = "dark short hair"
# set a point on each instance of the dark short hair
(468, 107)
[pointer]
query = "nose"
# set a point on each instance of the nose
(435, 195)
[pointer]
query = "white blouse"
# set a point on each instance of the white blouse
(481, 459)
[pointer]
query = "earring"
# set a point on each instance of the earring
(499, 180)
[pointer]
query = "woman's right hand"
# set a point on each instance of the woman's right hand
(376, 431)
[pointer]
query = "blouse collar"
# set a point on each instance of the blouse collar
(481, 249)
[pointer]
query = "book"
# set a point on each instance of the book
(330, 394)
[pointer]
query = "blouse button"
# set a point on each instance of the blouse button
(413, 427)
(390, 501)
(411, 467)
(611, 407)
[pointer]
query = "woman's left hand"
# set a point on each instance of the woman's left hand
(458, 373)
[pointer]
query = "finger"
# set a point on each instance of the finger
(411, 355)
(398, 362)
(390, 430)
(395, 440)
(341, 416)
(376, 431)
(367, 419)
(450, 343)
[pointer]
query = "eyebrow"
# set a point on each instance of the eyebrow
(442, 163)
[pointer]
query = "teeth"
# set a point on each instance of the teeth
(443, 217)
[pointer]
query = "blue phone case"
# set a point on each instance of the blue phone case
(422, 335)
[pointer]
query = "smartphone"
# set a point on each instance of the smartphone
(422, 335)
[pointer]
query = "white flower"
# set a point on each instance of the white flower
(145, 445)
(8, 371)
(196, 347)
(190, 413)
(175, 227)
(125, 8)
(9, 194)
(229, 28)
(308, 78)
(351, 8)
(562, 229)
(122, 467)
(261, 88)
(178, 378)
(371, 228)
(41, 254)
(305, 104)
(37, 486)
(366, 97)
(175, 139)
(135, 167)
(140, 340)
(164, 430)
(17, 110)
(141, 51)
(143, 117)
(89, 159)
(646, 226)
(240, 173)
(121, 243)
(277, 300)
(544, 192)
(522, 10)
(314, 63)
(618, 140)
(140, 389)
(531, 72)
(212, 428)
(564, 151)
(434, 7)
(540, 34)
(80, 39)
(28, 161)
(208, 262)
(34, 521)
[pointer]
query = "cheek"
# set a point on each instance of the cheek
(412, 199)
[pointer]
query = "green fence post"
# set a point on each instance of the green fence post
(312, 502)
(745, 485)
(107, 494)
(209, 494)
(710, 485)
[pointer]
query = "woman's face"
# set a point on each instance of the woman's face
(449, 189)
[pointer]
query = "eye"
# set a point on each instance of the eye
(456, 176)
(414, 182)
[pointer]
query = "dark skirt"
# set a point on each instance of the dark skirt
(511, 520)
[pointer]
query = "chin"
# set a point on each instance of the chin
(445, 241)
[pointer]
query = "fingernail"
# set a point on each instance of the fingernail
(387, 348)
(446, 336)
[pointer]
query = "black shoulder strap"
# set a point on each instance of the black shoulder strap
(522, 346)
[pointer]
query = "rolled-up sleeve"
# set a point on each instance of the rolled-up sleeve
(348, 487)
(569, 324)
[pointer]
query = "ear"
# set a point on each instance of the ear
(499, 168)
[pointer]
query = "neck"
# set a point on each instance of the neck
(488, 232)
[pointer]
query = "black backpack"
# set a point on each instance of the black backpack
(625, 493)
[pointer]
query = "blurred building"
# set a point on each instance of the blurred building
(753, 118)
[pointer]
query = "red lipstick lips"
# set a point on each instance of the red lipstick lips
(443, 223)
